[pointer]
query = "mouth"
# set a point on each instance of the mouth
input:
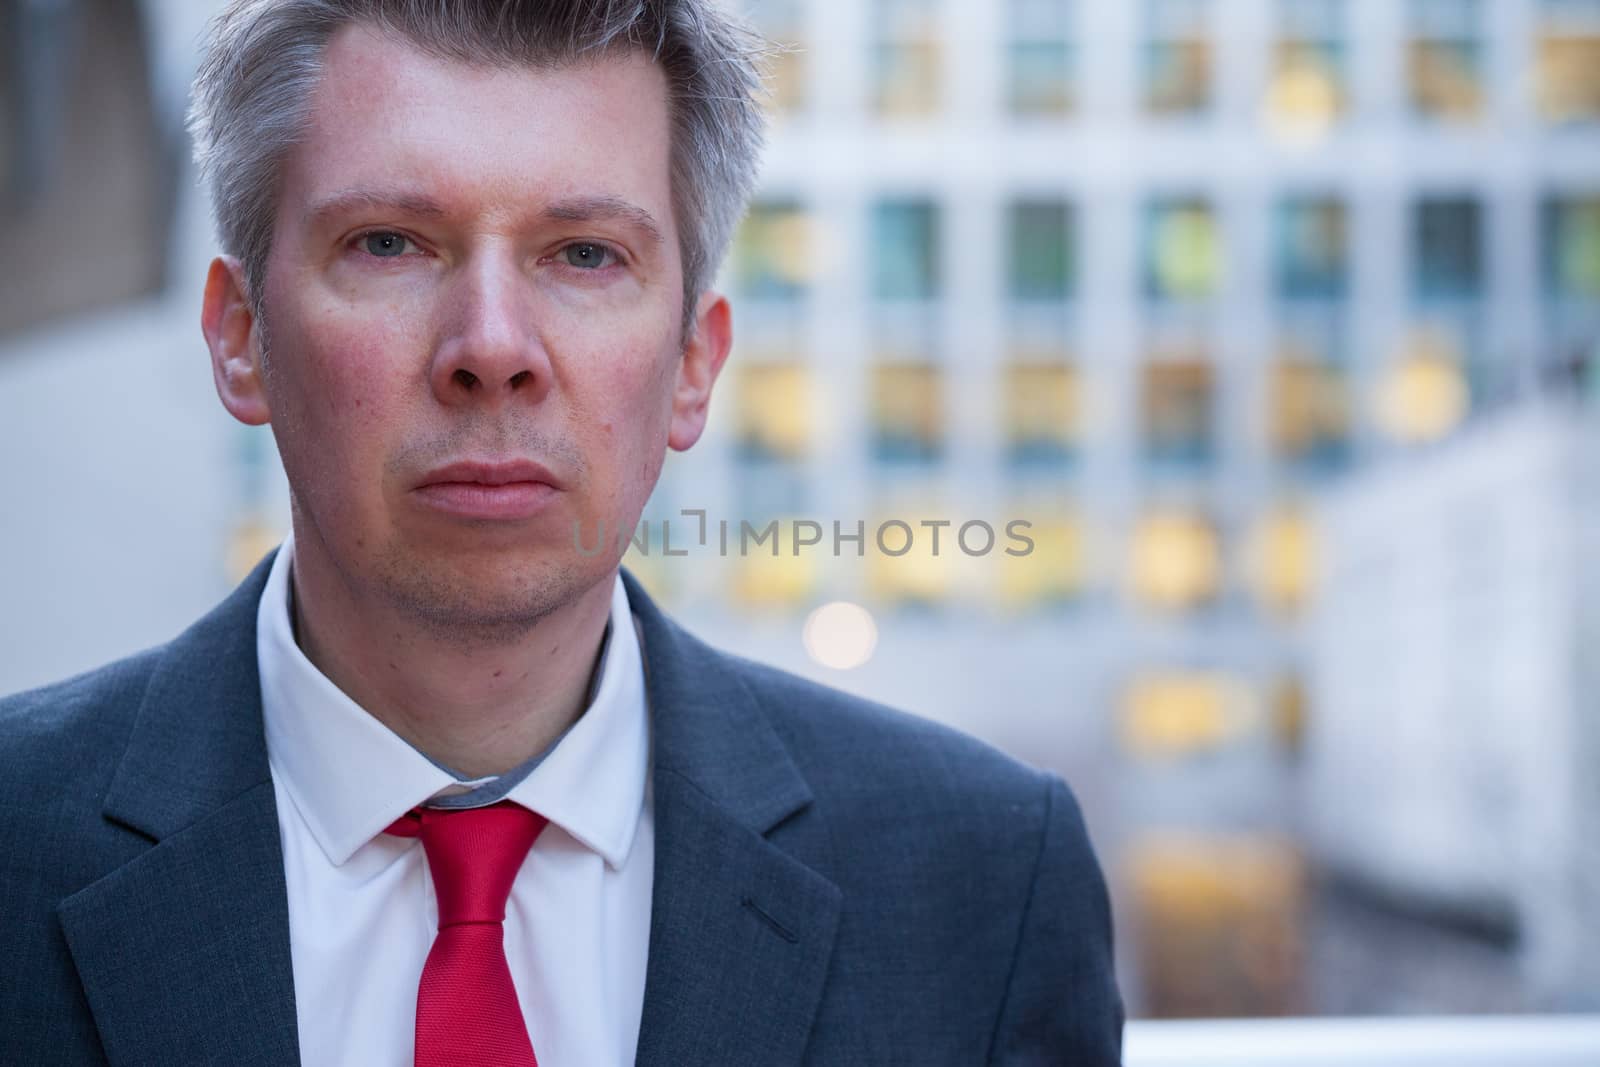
(505, 491)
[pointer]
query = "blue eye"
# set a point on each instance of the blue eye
(384, 244)
(586, 256)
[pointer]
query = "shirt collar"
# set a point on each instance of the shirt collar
(350, 776)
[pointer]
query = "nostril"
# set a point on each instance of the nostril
(518, 378)
(466, 378)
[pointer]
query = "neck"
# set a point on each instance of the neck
(477, 708)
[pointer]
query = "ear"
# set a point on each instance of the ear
(702, 361)
(229, 327)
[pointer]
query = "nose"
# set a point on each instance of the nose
(490, 350)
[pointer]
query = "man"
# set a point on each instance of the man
(433, 785)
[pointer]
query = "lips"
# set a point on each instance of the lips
(504, 491)
(492, 473)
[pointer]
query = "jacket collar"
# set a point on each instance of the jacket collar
(184, 951)
(737, 922)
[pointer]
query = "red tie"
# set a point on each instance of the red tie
(467, 1010)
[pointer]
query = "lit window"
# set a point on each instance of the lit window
(1177, 398)
(773, 409)
(1288, 709)
(903, 566)
(764, 579)
(1312, 249)
(1569, 61)
(1053, 567)
(1041, 239)
(1182, 250)
(1177, 57)
(907, 413)
(1572, 248)
(906, 250)
(1309, 419)
(780, 22)
(1041, 420)
(772, 251)
(1447, 249)
(906, 57)
(1235, 904)
(1424, 395)
(1176, 561)
(1445, 59)
(1308, 88)
(1165, 716)
(1041, 59)
(1283, 560)
(771, 434)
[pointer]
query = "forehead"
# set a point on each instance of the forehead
(484, 139)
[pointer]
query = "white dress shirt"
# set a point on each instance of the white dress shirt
(362, 913)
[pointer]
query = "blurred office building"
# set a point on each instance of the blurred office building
(1451, 762)
(1198, 307)
(1157, 277)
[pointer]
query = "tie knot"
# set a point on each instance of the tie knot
(474, 855)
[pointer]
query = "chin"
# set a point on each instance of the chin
(497, 598)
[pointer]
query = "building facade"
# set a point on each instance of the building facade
(1151, 278)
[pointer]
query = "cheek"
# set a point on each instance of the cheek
(624, 417)
(338, 390)
(356, 378)
(639, 434)
(361, 347)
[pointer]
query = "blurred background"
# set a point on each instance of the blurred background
(1276, 320)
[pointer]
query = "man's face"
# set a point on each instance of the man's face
(477, 265)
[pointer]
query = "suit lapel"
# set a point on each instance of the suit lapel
(184, 951)
(741, 932)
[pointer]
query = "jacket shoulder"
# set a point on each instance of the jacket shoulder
(969, 876)
(71, 729)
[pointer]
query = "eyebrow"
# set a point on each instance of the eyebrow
(412, 205)
(612, 208)
(415, 205)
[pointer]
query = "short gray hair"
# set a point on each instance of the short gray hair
(263, 57)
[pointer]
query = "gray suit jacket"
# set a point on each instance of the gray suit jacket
(836, 883)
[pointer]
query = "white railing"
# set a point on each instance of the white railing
(1521, 1041)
